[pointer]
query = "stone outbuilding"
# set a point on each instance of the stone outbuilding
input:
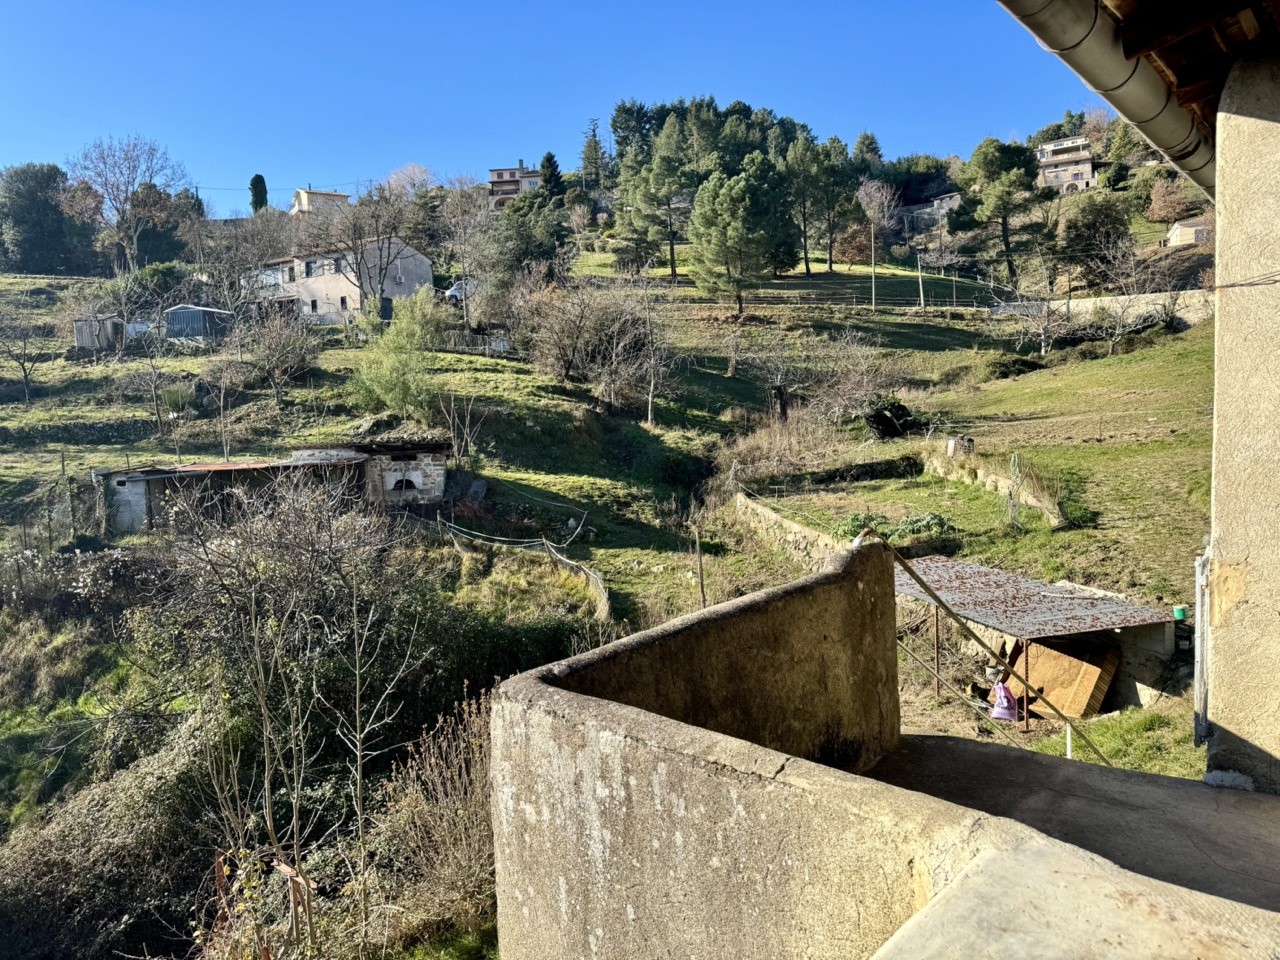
(398, 473)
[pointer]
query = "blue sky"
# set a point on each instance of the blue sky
(331, 93)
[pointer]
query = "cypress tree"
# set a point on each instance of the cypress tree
(257, 192)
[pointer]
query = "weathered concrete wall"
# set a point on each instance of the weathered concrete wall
(1244, 634)
(810, 668)
(634, 819)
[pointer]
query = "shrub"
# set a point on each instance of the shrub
(1010, 365)
(114, 868)
(436, 826)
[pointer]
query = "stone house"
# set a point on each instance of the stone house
(1066, 165)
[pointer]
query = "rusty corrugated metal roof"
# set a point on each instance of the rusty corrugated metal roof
(1019, 606)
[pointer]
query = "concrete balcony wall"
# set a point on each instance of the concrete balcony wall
(654, 798)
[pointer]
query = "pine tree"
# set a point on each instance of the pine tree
(549, 170)
(803, 172)
(832, 194)
(867, 157)
(661, 194)
(257, 192)
(596, 162)
(730, 244)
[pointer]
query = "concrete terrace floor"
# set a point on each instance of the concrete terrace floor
(1216, 841)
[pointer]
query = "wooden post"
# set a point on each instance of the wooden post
(920, 279)
(937, 655)
(1026, 672)
(702, 584)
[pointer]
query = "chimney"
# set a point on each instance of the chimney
(521, 164)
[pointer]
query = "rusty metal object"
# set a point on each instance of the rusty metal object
(1019, 606)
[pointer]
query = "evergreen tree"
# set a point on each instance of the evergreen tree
(867, 157)
(36, 236)
(660, 194)
(771, 201)
(730, 243)
(631, 126)
(832, 203)
(1000, 182)
(802, 166)
(552, 181)
(596, 163)
(257, 192)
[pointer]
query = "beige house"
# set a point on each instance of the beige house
(325, 287)
(1193, 230)
(1066, 165)
(506, 182)
(316, 201)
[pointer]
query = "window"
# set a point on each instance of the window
(342, 303)
(313, 307)
(121, 483)
(532, 184)
(339, 264)
(309, 268)
(293, 275)
(499, 176)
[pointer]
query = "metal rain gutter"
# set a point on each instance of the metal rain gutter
(1087, 39)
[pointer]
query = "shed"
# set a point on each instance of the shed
(1015, 613)
(189, 322)
(99, 332)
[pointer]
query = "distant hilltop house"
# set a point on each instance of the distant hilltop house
(390, 473)
(316, 201)
(925, 216)
(1067, 165)
(506, 182)
(1193, 230)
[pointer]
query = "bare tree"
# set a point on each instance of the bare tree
(880, 203)
(944, 259)
(152, 374)
(225, 378)
(1169, 202)
(107, 176)
(232, 270)
(281, 348)
(471, 234)
(1133, 282)
(561, 328)
(464, 425)
(24, 344)
(1041, 317)
(847, 379)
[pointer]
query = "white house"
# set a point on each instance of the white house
(324, 287)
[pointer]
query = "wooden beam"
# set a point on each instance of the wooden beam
(1200, 91)
(1154, 26)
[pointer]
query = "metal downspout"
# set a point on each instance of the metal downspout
(1087, 39)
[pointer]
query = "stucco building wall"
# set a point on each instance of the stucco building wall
(1244, 636)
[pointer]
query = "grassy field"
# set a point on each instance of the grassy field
(844, 285)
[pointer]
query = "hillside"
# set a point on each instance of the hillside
(1123, 441)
